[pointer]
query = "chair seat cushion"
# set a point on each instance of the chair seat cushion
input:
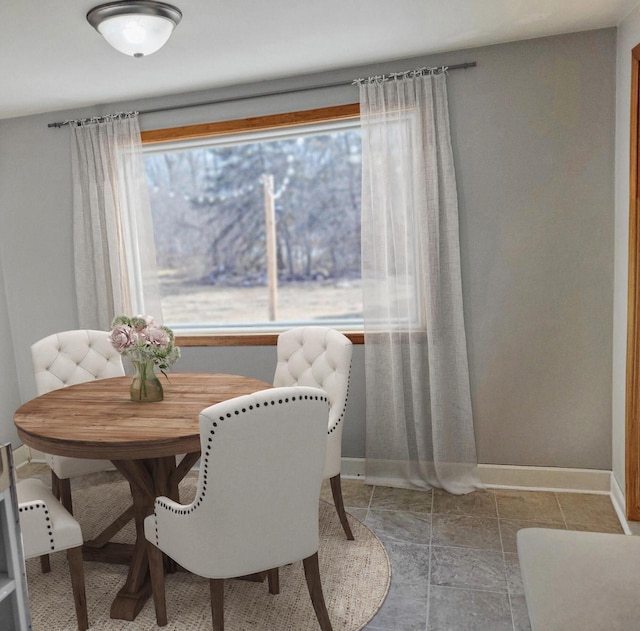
(46, 525)
(580, 581)
(65, 467)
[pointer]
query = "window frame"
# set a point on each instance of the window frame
(254, 124)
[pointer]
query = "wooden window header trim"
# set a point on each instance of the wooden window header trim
(258, 123)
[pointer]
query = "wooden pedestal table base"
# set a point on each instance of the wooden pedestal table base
(148, 478)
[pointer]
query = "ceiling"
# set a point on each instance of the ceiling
(52, 59)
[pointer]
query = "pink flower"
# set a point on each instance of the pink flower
(122, 337)
(156, 336)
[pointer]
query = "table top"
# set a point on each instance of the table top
(97, 419)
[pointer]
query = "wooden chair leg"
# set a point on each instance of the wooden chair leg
(273, 576)
(156, 572)
(45, 564)
(216, 587)
(336, 491)
(76, 569)
(312, 574)
(65, 494)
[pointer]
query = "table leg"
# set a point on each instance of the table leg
(99, 542)
(148, 479)
(103, 550)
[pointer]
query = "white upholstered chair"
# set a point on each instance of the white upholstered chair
(48, 527)
(256, 503)
(64, 359)
(321, 357)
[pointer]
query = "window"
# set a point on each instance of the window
(257, 222)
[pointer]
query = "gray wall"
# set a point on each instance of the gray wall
(533, 135)
(9, 396)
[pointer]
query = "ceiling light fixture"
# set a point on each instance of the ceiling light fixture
(137, 27)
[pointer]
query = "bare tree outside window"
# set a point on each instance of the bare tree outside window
(216, 207)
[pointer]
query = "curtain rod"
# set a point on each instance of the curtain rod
(464, 66)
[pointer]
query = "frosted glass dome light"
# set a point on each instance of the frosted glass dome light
(137, 27)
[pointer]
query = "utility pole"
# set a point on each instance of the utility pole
(270, 236)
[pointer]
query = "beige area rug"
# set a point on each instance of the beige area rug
(355, 579)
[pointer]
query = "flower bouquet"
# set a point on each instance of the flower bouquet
(146, 344)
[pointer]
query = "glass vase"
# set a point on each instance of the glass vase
(145, 386)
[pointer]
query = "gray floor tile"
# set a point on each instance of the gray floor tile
(480, 608)
(509, 530)
(514, 575)
(533, 505)
(601, 527)
(468, 568)
(465, 531)
(468, 610)
(583, 511)
(405, 608)
(400, 526)
(478, 503)
(520, 614)
(409, 562)
(401, 499)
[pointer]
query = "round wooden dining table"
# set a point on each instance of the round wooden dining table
(97, 419)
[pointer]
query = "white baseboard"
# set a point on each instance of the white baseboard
(493, 476)
(21, 456)
(352, 468)
(520, 477)
(619, 505)
(545, 478)
(36, 456)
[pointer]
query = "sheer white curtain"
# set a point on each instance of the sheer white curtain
(419, 430)
(114, 251)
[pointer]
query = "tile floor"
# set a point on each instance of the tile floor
(453, 558)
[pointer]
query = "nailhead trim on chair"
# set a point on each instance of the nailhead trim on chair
(344, 407)
(41, 506)
(205, 459)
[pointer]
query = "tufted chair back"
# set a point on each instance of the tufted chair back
(256, 504)
(320, 357)
(64, 359)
